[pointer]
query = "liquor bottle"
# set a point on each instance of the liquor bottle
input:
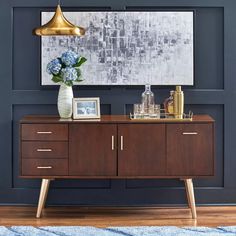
(169, 104)
(148, 100)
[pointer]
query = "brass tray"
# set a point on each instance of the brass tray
(164, 117)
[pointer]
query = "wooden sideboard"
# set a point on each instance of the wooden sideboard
(116, 147)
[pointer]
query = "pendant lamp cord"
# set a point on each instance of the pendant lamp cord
(59, 2)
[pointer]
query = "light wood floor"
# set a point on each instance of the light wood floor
(104, 217)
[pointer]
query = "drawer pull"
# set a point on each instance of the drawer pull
(44, 132)
(44, 150)
(190, 133)
(44, 167)
(121, 143)
(112, 142)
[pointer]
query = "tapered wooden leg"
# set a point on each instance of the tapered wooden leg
(43, 196)
(190, 196)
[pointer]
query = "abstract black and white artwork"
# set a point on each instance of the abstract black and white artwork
(127, 48)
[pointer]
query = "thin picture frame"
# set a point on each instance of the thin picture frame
(86, 108)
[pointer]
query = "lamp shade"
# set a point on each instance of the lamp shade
(59, 25)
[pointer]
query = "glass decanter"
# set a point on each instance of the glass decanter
(148, 100)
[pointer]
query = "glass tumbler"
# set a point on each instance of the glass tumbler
(157, 111)
(138, 111)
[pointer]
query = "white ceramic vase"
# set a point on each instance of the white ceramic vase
(64, 101)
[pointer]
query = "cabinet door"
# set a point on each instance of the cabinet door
(190, 150)
(141, 150)
(92, 149)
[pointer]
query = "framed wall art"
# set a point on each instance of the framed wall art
(128, 48)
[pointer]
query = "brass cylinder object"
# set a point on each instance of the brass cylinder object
(178, 103)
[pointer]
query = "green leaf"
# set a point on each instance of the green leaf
(62, 64)
(78, 71)
(79, 80)
(69, 83)
(80, 61)
(57, 79)
(79, 75)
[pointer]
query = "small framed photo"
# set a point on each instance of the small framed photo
(86, 108)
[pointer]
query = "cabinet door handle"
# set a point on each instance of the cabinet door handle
(121, 143)
(44, 167)
(44, 150)
(44, 132)
(190, 133)
(112, 142)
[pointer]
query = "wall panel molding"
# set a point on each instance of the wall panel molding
(214, 92)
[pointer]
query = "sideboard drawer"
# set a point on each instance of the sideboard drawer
(44, 132)
(34, 149)
(44, 167)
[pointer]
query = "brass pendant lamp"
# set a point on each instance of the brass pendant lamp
(59, 25)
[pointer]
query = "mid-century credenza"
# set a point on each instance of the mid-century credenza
(116, 147)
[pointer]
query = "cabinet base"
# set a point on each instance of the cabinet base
(42, 196)
(190, 196)
(46, 182)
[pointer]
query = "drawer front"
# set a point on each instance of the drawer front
(190, 149)
(44, 167)
(34, 149)
(44, 132)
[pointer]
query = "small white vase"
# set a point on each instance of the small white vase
(64, 101)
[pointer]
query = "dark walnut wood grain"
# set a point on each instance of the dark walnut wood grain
(83, 149)
(111, 119)
(90, 150)
(190, 149)
(44, 132)
(42, 149)
(44, 167)
(143, 151)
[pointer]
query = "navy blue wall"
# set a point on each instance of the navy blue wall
(213, 93)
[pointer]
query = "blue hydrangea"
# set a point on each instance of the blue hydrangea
(69, 74)
(54, 67)
(69, 58)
